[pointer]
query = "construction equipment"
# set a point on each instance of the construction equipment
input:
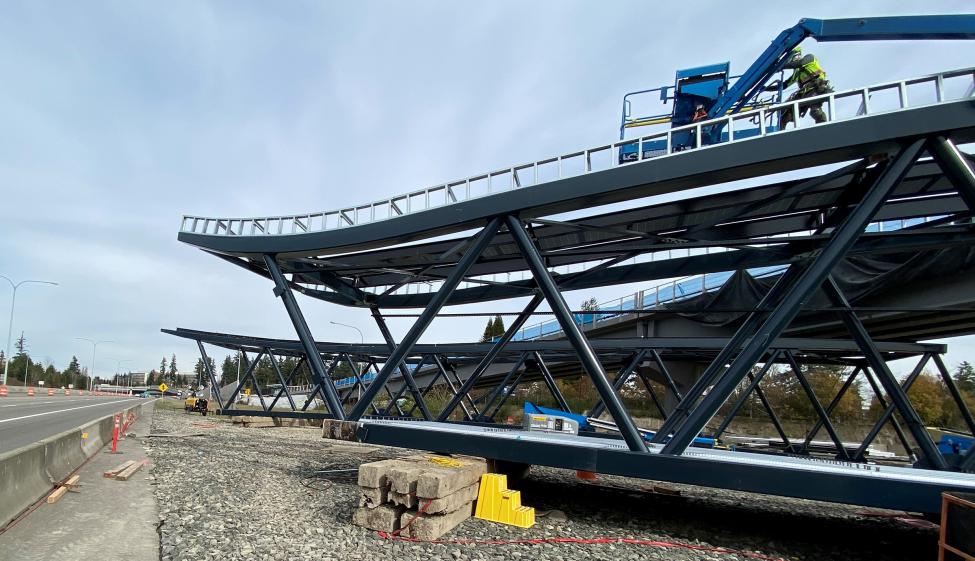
(713, 89)
(195, 403)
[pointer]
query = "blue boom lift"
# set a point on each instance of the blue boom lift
(714, 90)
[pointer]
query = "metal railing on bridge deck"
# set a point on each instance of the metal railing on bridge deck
(839, 106)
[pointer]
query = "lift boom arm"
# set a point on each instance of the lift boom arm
(850, 29)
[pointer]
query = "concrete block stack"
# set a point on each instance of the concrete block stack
(422, 497)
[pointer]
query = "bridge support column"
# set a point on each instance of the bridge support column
(315, 362)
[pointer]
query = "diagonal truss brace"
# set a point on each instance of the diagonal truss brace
(433, 308)
(808, 282)
(315, 362)
(587, 357)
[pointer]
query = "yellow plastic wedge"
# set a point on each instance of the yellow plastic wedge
(497, 503)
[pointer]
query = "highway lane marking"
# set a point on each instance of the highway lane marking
(66, 410)
(43, 402)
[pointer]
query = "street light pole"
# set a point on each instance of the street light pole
(91, 369)
(362, 341)
(118, 365)
(10, 325)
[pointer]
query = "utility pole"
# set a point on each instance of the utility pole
(91, 369)
(10, 325)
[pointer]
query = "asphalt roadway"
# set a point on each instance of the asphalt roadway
(25, 420)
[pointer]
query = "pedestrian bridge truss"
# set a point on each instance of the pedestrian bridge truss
(901, 164)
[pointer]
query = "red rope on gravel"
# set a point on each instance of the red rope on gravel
(588, 541)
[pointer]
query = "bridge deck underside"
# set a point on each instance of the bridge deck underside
(745, 228)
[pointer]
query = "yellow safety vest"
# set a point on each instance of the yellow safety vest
(806, 73)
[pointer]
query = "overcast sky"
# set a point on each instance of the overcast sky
(117, 118)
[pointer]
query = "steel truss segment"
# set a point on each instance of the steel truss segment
(897, 395)
(297, 368)
(490, 356)
(955, 166)
(319, 389)
(817, 406)
(508, 390)
(620, 380)
(251, 365)
(394, 398)
(888, 413)
(572, 332)
(455, 386)
(283, 290)
(553, 388)
(281, 380)
(406, 345)
(753, 384)
(490, 397)
(829, 408)
(214, 387)
(665, 372)
(403, 368)
(714, 370)
(811, 279)
(955, 394)
(359, 383)
(440, 372)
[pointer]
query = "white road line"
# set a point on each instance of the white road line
(72, 409)
(43, 402)
(32, 402)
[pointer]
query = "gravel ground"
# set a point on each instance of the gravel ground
(262, 493)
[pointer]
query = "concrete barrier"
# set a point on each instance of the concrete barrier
(23, 479)
(31, 472)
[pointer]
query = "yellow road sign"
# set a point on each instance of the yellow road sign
(247, 392)
(163, 387)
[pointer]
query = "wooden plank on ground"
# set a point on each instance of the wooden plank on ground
(56, 495)
(128, 472)
(72, 481)
(112, 472)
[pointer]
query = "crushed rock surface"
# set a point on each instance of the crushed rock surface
(267, 493)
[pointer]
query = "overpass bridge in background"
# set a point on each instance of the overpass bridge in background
(840, 288)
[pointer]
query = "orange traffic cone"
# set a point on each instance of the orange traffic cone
(67, 391)
(30, 391)
(3, 391)
(50, 391)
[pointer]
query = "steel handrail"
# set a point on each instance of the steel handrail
(449, 193)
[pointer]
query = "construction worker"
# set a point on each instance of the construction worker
(811, 80)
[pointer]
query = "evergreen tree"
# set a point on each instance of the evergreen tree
(488, 330)
(498, 326)
(50, 375)
(72, 375)
(172, 369)
(201, 372)
(494, 328)
(965, 378)
(21, 345)
(3, 360)
(162, 371)
(228, 370)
